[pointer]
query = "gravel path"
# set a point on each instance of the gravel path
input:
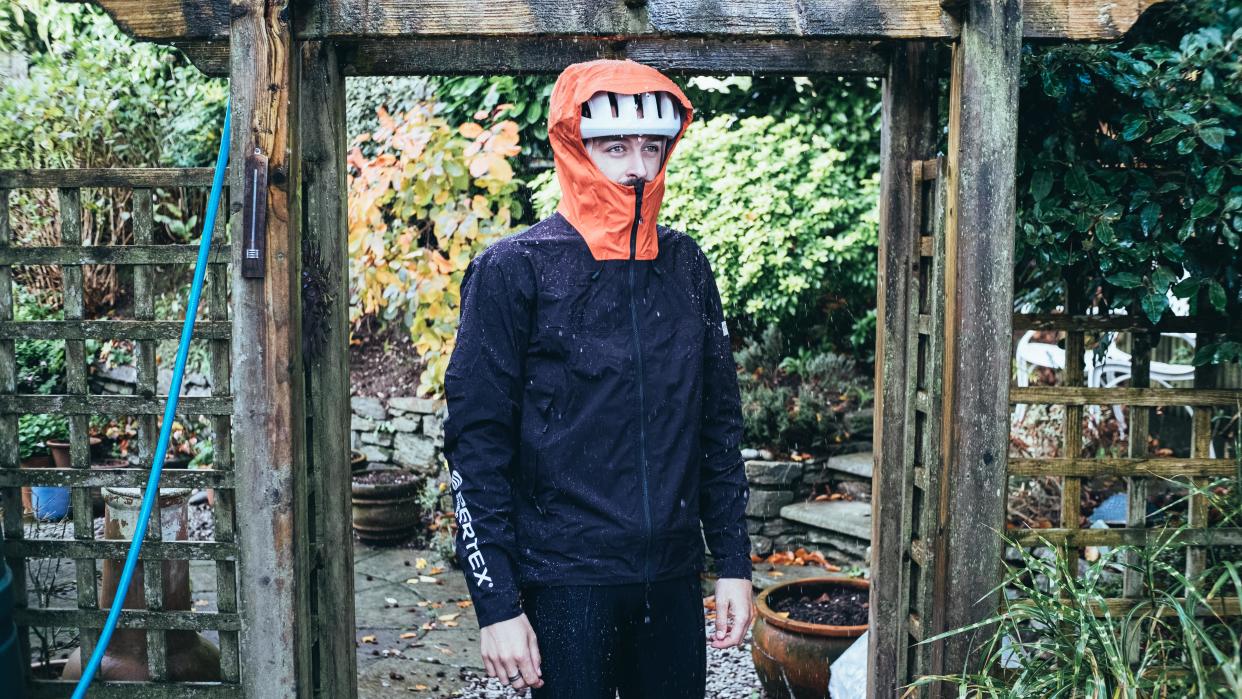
(730, 675)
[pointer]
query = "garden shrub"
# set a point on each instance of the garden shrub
(797, 401)
(430, 198)
(1129, 164)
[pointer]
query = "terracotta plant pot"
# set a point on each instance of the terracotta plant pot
(60, 451)
(190, 657)
(97, 501)
(385, 505)
(792, 657)
(43, 461)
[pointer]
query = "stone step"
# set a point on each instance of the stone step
(848, 517)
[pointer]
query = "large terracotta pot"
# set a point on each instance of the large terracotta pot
(190, 657)
(386, 513)
(792, 657)
(60, 451)
(43, 461)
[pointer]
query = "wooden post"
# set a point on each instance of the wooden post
(908, 134)
(267, 373)
(325, 263)
(978, 314)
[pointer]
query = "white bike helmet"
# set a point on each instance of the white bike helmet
(614, 114)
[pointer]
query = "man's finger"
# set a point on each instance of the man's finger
(722, 616)
(738, 629)
(511, 669)
(535, 658)
(527, 668)
(491, 668)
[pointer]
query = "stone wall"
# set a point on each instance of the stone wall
(402, 431)
(774, 484)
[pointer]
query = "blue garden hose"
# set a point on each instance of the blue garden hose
(170, 411)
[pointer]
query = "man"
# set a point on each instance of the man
(594, 418)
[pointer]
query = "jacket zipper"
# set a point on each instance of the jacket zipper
(642, 408)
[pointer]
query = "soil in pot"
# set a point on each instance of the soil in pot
(836, 606)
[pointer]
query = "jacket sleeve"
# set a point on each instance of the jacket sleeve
(483, 389)
(724, 490)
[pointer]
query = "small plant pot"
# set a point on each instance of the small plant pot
(50, 503)
(792, 657)
(43, 461)
(357, 462)
(385, 505)
(60, 451)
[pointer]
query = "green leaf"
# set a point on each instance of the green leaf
(1167, 135)
(1216, 295)
(1104, 233)
(1214, 136)
(1180, 117)
(1185, 145)
(1204, 206)
(1041, 185)
(1149, 217)
(1162, 279)
(1134, 129)
(1154, 305)
(1125, 280)
(1213, 179)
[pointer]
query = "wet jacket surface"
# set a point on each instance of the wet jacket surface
(594, 418)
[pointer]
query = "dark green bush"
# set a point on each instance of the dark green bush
(1129, 165)
(797, 401)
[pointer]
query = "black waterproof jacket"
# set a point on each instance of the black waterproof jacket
(593, 419)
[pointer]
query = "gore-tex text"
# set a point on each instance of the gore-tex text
(468, 538)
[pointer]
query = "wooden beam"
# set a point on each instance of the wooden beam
(176, 20)
(908, 135)
(266, 368)
(979, 312)
(325, 260)
(517, 55)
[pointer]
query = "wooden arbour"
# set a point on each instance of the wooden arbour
(287, 63)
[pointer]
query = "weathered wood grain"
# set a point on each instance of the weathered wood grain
(109, 330)
(112, 405)
(266, 367)
(674, 55)
(9, 445)
(979, 312)
(328, 552)
(1149, 397)
(131, 619)
(1219, 536)
(108, 255)
(1129, 467)
(908, 135)
(168, 20)
(113, 478)
(1122, 323)
(73, 178)
(59, 689)
(170, 550)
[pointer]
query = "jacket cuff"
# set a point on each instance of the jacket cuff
(497, 609)
(733, 567)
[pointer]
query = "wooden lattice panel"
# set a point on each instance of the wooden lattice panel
(78, 405)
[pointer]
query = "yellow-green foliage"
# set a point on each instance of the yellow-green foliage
(429, 198)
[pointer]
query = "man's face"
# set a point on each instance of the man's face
(627, 159)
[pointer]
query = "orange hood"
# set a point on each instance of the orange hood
(600, 209)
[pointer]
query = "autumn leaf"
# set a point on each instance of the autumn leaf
(470, 130)
(369, 639)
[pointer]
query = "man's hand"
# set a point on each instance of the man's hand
(509, 647)
(735, 608)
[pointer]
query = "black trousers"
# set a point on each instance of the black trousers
(644, 641)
